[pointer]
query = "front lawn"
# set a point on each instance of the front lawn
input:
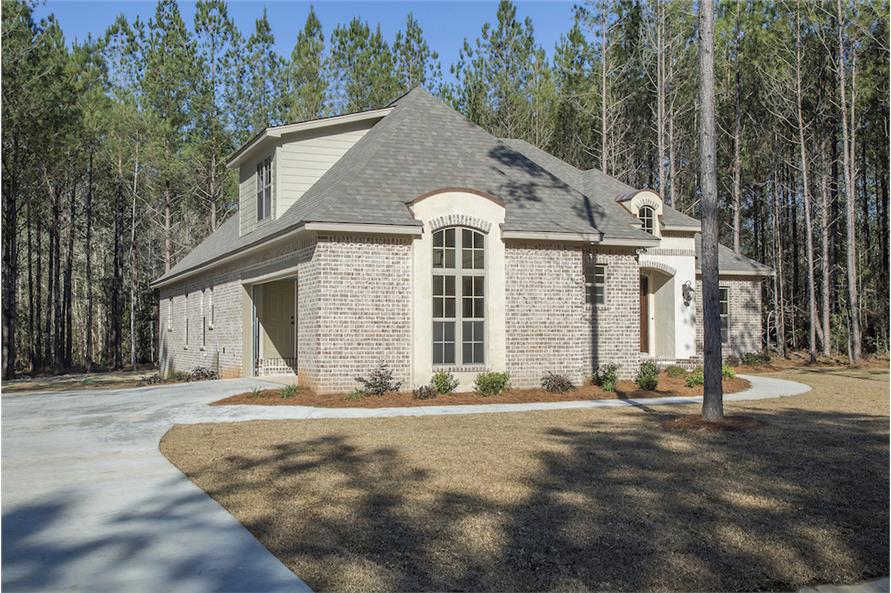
(595, 499)
(667, 387)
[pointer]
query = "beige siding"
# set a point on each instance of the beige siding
(304, 158)
(300, 160)
(247, 198)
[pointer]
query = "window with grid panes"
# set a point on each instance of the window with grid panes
(459, 301)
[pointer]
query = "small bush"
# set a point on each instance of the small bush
(695, 378)
(606, 376)
(256, 391)
(675, 372)
(727, 372)
(555, 383)
(155, 379)
(648, 376)
(289, 392)
(354, 395)
(732, 360)
(444, 383)
(754, 359)
(181, 376)
(491, 383)
(203, 374)
(379, 381)
(424, 392)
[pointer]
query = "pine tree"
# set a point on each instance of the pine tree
(306, 72)
(362, 68)
(416, 63)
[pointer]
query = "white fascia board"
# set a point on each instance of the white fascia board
(263, 244)
(240, 155)
(630, 242)
(374, 229)
(553, 236)
(742, 273)
(682, 229)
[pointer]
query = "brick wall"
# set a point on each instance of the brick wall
(745, 317)
(364, 313)
(223, 286)
(548, 325)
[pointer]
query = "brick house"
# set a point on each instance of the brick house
(409, 235)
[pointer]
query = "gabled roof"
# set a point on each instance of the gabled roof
(421, 146)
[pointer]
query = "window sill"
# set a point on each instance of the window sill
(450, 368)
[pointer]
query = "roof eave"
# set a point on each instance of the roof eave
(240, 155)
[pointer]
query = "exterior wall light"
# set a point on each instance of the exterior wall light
(687, 292)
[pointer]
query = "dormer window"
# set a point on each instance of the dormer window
(264, 189)
(646, 216)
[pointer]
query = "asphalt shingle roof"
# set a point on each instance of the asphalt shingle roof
(421, 146)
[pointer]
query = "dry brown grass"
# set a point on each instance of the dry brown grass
(667, 387)
(602, 499)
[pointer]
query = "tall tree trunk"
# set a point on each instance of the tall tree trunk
(805, 188)
(134, 274)
(168, 229)
(68, 299)
(850, 195)
(32, 333)
(737, 161)
(604, 118)
(117, 309)
(713, 396)
(825, 260)
(58, 337)
(10, 264)
(88, 249)
(779, 291)
(660, 95)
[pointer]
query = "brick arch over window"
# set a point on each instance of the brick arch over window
(656, 265)
(440, 222)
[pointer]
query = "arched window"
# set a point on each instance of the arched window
(646, 216)
(459, 264)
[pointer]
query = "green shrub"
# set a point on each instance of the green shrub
(354, 395)
(444, 382)
(648, 376)
(379, 381)
(606, 376)
(555, 383)
(675, 372)
(424, 392)
(727, 372)
(695, 378)
(491, 383)
(754, 359)
(155, 379)
(256, 391)
(289, 391)
(181, 376)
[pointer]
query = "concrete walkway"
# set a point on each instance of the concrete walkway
(90, 504)
(762, 388)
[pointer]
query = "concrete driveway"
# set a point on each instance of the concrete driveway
(90, 504)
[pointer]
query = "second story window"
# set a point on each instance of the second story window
(264, 189)
(646, 216)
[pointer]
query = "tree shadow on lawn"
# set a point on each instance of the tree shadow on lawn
(799, 501)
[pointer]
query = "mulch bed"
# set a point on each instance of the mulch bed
(668, 387)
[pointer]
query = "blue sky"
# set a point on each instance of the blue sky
(445, 24)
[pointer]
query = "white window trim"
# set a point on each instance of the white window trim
(260, 191)
(186, 321)
(643, 221)
(722, 290)
(591, 263)
(459, 273)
